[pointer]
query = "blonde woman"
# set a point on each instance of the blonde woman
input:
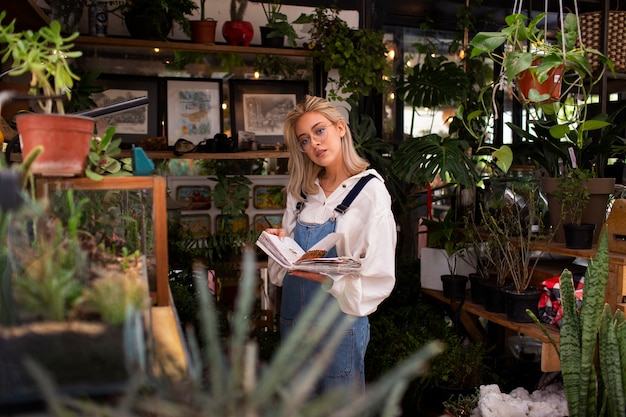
(330, 190)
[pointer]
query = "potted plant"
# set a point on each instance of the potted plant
(511, 221)
(449, 237)
(277, 28)
(66, 303)
(46, 54)
(586, 330)
(358, 55)
(231, 195)
(203, 30)
(572, 193)
(237, 31)
(148, 19)
(528, 59)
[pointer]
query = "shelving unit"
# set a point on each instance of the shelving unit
(471, 312)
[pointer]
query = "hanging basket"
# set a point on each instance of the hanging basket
(591, 34)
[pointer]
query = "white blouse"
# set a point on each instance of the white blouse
(370, 235)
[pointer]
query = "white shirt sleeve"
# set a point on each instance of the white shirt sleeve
(370, 235)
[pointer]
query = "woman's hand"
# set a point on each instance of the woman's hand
(278, 232)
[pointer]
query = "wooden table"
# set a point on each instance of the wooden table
(471, 312)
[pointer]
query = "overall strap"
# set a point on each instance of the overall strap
(300, 204)
(345, 204)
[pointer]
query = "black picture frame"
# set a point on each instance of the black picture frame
(260, 107)
(134, 124)
(193, 109)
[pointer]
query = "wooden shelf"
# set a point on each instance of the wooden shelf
(112, 42)
(17, 157)
(198, 155)
(549, 358)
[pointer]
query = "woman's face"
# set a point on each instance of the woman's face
(320, 139)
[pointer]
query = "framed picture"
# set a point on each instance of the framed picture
(199, 225)
(269, 197)
(194, 109)
(195, 197)
(263, 221)
(260, 107)
(134, 124)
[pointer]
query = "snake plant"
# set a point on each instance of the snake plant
(594, 386)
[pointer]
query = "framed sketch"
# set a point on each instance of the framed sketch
(194, 109)
(199, 225)
(194, 197)
(260, 107)
(269, 197)
(134, 124)
(263, 221)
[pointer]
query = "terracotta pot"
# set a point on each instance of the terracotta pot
(203, 31)
(600, 189)
(527, 80)
(238, 32)
(65, 139)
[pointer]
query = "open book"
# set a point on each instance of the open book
(290, 255)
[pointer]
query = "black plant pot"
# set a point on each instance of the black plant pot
(274, 42)
(454, 286)
(517, 303)
(493, 296)
(476, 289)
(579, 236)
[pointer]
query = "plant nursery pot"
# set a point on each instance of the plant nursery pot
(476, 289)
(595, 212)
(66, 141)
(203, 31)
(493, 297)
(527, 80)
(84, 358)
(238, 32)
(516, 303)
(579, 236)
(275, 42)
(454, 286)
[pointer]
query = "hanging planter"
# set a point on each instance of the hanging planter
(530, 89)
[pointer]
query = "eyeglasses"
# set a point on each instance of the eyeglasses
(319, 135)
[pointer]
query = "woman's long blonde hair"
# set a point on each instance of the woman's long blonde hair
(303, 171)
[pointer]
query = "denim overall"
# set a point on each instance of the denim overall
(347, 367)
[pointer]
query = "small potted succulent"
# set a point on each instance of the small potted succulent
(46, 54)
